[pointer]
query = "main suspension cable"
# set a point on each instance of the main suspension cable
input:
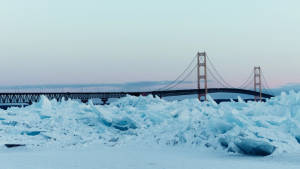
(246, 82)
(218, 74)
(188, 75)
(215, 78)
(267, 85)
(170, 84)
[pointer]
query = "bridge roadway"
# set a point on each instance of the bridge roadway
(29, 98)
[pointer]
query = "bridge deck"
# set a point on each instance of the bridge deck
(10, 98)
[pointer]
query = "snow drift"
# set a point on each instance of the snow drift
(249, 128)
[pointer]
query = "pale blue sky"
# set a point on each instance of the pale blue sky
(94, 41)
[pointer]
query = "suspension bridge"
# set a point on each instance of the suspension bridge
(200, 78)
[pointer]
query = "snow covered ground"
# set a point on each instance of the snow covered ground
(147, 132)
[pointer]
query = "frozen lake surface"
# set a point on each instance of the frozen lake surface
(128, 157)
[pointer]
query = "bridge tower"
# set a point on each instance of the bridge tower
(257, 83)
(202, 74)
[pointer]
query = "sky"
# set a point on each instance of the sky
(95, 41)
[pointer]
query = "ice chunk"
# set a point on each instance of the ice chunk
(124, 124)
(254, 147)
(298, 139)
(9, 123)
(31, 133)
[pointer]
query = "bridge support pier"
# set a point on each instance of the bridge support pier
(104, 101)
(84, 100)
